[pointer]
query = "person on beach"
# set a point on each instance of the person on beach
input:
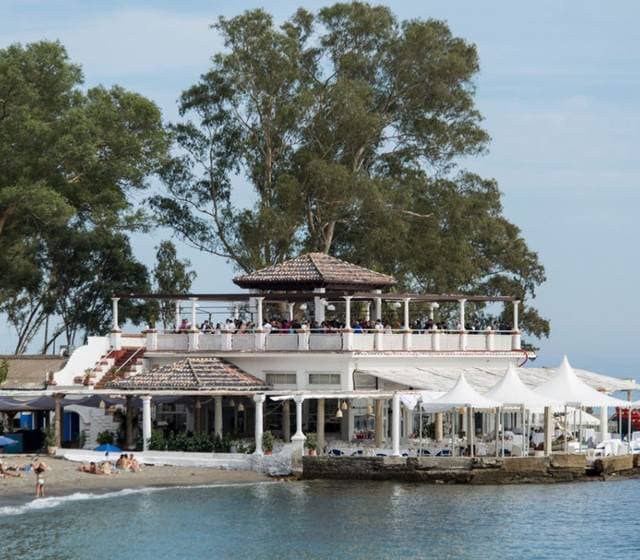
(39, 469)
(90, 469)
(5, 471)
(123, 462)
(134, 466)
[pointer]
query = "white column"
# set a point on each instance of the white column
(217, 416)
(462, 317)
(406, 337)
(146, 421)
(193, 313)
(298, 438)
(116, 325)
(258, 398)
(318, 306)
(260, 320)
(463, 332)
(432, 310)
(378, 306)
(516, 306)
(347, 312)
(299, 399)
(367, 311)
(395, 426)
(407, 326)
(291, 306)
(604, 423)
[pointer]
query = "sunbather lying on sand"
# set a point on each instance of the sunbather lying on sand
(5, 470)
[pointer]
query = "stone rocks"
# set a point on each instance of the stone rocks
(464, 470)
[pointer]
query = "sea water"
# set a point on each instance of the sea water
(342, 520)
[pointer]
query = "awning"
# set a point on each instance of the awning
(482, 379)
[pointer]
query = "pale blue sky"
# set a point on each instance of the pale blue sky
(560, 91)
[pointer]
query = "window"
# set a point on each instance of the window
(281, 378)
(324, 379)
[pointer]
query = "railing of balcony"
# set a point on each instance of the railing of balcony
(305, 340)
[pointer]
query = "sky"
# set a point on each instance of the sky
(559, 88)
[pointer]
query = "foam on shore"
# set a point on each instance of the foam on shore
(55, 501)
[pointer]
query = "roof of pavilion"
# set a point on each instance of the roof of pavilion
(315, 270)
(30, 372)
(193, 374)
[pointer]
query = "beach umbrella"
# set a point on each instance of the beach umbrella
(5, 441)
(108, 448)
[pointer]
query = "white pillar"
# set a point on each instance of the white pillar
(462, 317)
(347, 312)
(116, 325)
(217, 416)
(604, 423)
(516, 306)
(258, 398)
(407, 326)
(298, 438)
(395, 426)
(299, 399)
(291, 306)
(193, 313)
(146, 421)
(432, 310)
(318, 306)
(378, 306)
(367, 311)
(260, 320)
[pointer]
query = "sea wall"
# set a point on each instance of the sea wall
(464, 470)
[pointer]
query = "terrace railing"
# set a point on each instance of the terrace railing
(334, 341)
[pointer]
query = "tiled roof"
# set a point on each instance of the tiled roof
(315, 270)
(30, 372)
(193, 374)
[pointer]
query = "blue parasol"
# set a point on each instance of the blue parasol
(6, 442)
(108, 448)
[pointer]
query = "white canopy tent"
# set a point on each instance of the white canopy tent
(564, 386)
(513, 393)
(462, 395)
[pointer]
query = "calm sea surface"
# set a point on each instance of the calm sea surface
(331, 520)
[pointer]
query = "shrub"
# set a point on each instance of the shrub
(267, 441)
(105, 437)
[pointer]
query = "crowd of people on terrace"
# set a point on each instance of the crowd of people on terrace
(284, 326)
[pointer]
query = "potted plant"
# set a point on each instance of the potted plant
(311, 443)
(267, 443)
(50, 440)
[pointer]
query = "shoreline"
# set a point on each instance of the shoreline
(64, 479)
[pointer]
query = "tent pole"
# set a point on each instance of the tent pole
(524, 429)
(497, 428)
(620, 422)
(566, 424)
(503, 430)
(580, 432)
(629, 429)
(420, 447)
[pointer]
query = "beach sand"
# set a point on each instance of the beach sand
(64, 479)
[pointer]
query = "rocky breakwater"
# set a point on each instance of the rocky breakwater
(466, 470)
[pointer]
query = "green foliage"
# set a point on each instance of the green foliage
(70, 159)
(311, 442)
(195, 443)
(4, 371)
(172, 276)
(105, 437)
(267, 441)
(49, 436)
(350, 127)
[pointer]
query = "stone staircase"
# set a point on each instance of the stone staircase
(126, 362)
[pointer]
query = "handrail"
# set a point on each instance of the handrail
(128, 360)
(276, 331)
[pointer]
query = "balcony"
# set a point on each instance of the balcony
(306, 341)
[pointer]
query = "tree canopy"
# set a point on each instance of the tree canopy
(350, 127)
(70, 160)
